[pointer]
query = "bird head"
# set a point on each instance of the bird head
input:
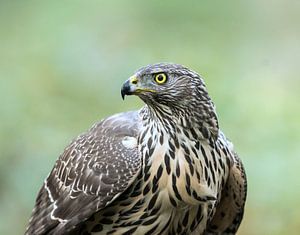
(163, 83)
(173, 90)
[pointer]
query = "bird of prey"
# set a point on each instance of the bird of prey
(165, 169)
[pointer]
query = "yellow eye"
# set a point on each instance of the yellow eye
(160, 78)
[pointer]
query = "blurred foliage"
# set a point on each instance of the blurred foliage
(63, 63)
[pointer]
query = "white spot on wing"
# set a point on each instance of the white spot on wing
(129, 142)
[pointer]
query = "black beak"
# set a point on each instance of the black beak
(126, 89)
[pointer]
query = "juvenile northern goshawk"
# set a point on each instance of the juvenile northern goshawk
(165, 169)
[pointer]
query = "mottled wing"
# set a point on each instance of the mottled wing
(93, 170)
(230, 210)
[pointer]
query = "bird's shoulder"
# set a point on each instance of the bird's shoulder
(126, 123)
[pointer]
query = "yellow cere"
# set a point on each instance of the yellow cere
(160, 78)
(133, 80)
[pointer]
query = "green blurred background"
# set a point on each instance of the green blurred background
(62, 64)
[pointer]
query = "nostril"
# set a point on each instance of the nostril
(133, 80)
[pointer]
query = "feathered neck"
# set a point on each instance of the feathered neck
(200, 116)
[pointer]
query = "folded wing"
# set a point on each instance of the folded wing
(92, 171)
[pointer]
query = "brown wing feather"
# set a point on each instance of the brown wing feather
(93, 170)
(230, 210)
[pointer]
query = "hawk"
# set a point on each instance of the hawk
(165, 169)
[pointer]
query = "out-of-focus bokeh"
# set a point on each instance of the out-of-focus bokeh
(62, 64)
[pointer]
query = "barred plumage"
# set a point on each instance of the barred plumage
(166, 169)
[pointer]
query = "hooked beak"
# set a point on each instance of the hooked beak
(129, 87)
(133, 87)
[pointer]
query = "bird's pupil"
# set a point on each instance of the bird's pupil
(160, 78)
